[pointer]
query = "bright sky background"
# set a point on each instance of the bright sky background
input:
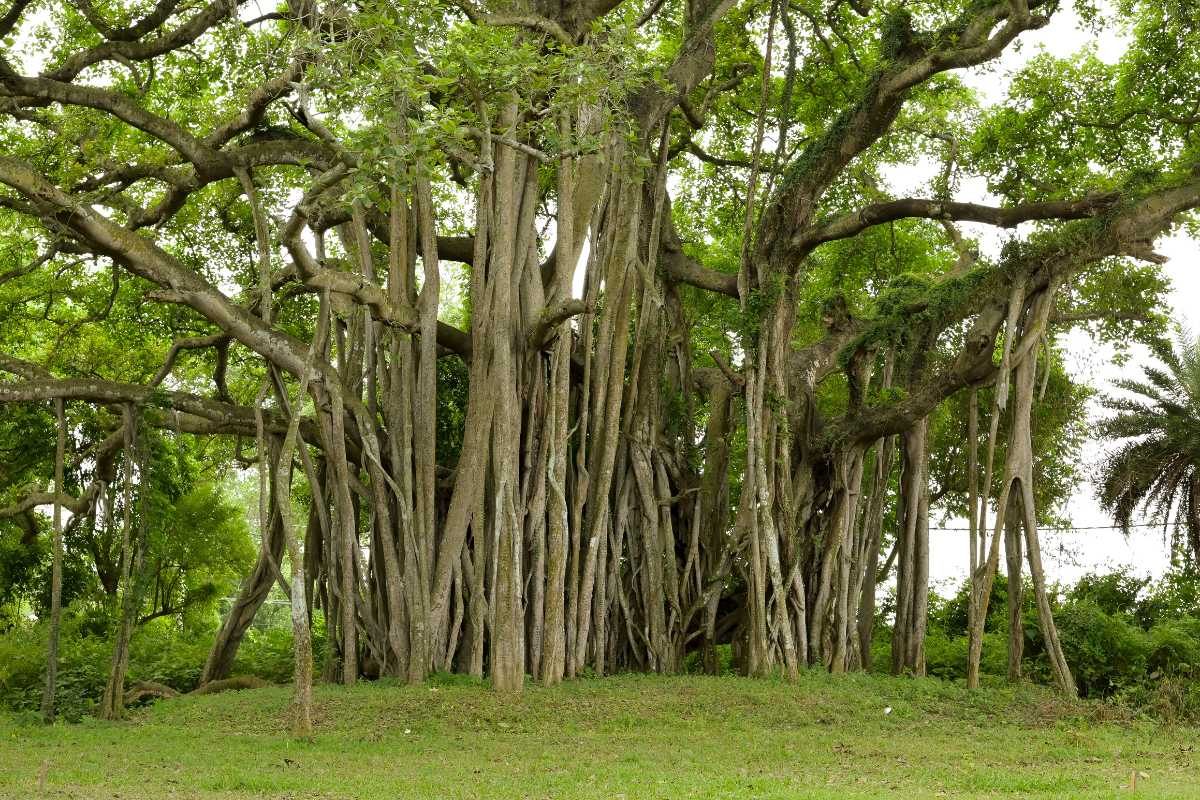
(1068, 555)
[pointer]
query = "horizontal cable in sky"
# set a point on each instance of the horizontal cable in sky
(1066, 530)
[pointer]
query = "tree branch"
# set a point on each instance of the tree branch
(123, 43)
(533, 21)
(1043, 264)
(551, 317)
(878, 213)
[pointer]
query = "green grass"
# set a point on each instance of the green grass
(630, 736)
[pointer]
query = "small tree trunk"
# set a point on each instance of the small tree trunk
(254, 591)
(301, 713)
(1058, 661)
(874, 534)
(983, 574)
(1193, 515)
(346, 536)
(1016, 629)
(55, 570)
(912, 584)
(112, 704)
(973, 545)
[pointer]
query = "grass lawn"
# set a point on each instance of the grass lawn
(624, 737)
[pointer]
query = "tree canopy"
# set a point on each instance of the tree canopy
(577, 335)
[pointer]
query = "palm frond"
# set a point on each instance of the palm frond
(1156, 468)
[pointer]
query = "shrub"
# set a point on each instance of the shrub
(22, 666)
(693, 662)
(1114, 593)
(1174, 649)
(1170, 700)
(162, 654)
(159, 653)
(267, 652)
(1106, 652)
(1176, 595)
(83, 664)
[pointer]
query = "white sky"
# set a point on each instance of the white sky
(1068, 555)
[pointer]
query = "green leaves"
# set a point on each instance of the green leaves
(1156, 466)
(1080, 124)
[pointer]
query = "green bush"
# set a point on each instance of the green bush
(159, 652)
(1176, 595)
(1170, 700)
(1127, 640)
(945, 655)
(1106, 652)
(1114, 593)
(83, 664)
(267, 652)
(1174, 649)
(693, 662)
(950, 613)
(22, 667)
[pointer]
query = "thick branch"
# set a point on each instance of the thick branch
(76, 505)
(124, 45)
(682, 269)
(787, 217)
(540, 333)
(147, 260)
(878, 213)
(1041, 264)
(114, 103)
(111, 392)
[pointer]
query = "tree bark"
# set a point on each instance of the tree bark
(1016, 625)
(112, 704)
(56, 570)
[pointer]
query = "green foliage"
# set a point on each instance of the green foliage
(912, 307)
(1129, 641)
(160, 651)
(267, 653)
(949, 614)
(946, 656)
(452, 395)
(1112, 593)
(20, 571)
(693, 663)
(204, 553)
(1156, 425)
(1176, 594)
(1055, 136)
(197, 543)
(1105, 651)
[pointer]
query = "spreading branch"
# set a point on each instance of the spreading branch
(949, 211)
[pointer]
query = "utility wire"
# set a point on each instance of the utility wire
(1068, 530)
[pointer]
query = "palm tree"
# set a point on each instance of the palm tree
(1157, 466)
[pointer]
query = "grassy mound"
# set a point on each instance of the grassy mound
(629, 736)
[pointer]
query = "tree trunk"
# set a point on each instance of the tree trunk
(56, 574)
(1016, 627)
(112, 704)
(912, 583)
(254, 591)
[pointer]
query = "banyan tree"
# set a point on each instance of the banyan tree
(581, 336)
